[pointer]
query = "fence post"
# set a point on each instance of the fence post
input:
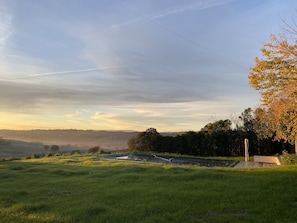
(246, 150)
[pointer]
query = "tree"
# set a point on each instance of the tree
(221, 125)
(94, 149)
(275, 76)
(148, 140)
(247, 118)
(262, 124)
(216, 137)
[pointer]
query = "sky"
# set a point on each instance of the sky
(130, 65)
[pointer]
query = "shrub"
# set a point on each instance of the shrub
(49, 154)
(94, 149)
(104, 152)
(287, 158)
(76, 151)
(35, 156)
(13, 158)
(54, 148)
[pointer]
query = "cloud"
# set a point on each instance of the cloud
(86, 71)
(138, 64)
(6, 30)
(158, 70)
(159, 115)
(73, 115)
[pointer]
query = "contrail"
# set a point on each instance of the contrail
(181, 35)
(196, 6)
(66, 72)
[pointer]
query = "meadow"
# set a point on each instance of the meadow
(84, 188)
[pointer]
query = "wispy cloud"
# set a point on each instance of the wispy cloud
(5, 28)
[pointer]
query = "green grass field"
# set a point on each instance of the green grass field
(82, 188)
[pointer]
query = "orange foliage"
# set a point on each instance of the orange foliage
(275, 76)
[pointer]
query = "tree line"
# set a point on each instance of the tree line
(220, 138)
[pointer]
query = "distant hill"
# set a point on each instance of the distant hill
(110, 140)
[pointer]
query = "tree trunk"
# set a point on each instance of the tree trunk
(296, 145)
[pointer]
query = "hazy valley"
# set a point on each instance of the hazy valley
(27, 142)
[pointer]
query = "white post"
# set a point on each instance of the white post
(246, 150)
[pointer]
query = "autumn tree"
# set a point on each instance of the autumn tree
(275, 76)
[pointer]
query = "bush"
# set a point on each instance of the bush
(13, 158)
(76, 151)
(49, 154)
(35, 156)
(104, 152)
(94, 149)
(54, 148)
(287, 158)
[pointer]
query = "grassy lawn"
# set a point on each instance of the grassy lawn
(82, 188)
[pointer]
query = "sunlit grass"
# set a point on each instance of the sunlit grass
(83, 188)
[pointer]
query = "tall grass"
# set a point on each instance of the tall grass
(83, 188)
